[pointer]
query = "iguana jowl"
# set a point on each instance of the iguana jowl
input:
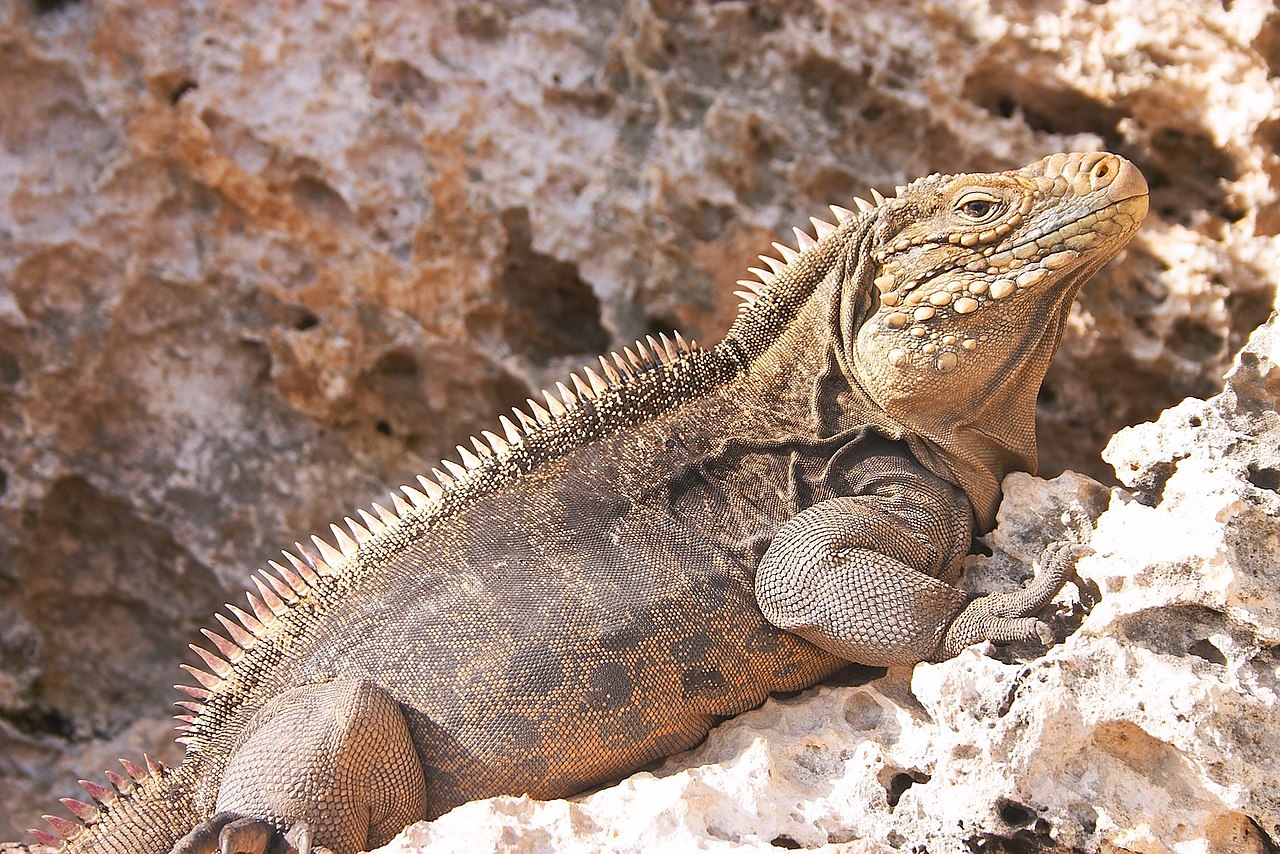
(592, 589)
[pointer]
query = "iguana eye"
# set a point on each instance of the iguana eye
(978, 207)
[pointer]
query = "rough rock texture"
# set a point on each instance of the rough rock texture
(258, 261)
(1150, 727)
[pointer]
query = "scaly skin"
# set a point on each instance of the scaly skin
(686, 532)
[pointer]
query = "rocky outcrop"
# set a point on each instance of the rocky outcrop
(1150, 726)
(260, 261)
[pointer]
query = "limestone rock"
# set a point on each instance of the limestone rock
(1150, 727)
(259, 262)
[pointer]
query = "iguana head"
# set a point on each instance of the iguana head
(974, 276)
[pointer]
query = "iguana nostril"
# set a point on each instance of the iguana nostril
(1121, 179)
(1101, 174)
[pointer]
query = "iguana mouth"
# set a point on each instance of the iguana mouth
(1057, 235)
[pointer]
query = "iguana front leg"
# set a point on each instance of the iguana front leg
(332, 761)
(862, 577)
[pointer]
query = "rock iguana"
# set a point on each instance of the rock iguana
(665, 542)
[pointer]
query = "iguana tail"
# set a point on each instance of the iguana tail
(145, 812)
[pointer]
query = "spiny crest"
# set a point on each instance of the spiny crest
(103, 798)
(615, 370)
(281, 587)
(753, 290)
(278, 589)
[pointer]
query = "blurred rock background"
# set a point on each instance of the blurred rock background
(259, 262)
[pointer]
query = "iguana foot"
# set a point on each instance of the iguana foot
(332, 761)
(1009, 617)
(229, 833)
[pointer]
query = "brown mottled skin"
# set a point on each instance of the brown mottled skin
(687, 532)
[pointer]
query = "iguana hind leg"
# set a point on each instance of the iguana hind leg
(862, 577)
(332, 761)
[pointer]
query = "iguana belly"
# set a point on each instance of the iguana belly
(528, 663)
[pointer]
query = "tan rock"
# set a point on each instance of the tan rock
(259, 262)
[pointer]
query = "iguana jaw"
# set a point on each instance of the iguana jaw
(975, 277)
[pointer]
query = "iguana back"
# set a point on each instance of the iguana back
(681, 534)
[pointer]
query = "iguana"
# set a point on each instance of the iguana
(663, 544)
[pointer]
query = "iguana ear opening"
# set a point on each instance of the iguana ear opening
(859, 298)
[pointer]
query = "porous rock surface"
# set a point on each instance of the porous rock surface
(260, 261)
(1150, 727)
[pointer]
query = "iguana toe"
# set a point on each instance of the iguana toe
(229, 833)
(247, 836)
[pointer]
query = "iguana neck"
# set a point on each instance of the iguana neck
(794, 343)
(798, 345)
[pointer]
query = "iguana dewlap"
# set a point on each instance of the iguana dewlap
(668, 541)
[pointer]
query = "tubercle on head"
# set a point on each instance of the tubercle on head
(970, 245)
